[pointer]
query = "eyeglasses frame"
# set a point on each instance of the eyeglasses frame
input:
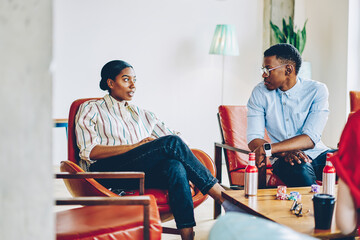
(267, 74)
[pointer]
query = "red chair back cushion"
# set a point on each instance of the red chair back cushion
(354, 101)
(73, 150)
(233, 121)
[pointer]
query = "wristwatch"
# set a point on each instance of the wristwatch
(267, 148)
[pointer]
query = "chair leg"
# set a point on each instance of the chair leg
(262, 177)
(218, 165)
(170, 230)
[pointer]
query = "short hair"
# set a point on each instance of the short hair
(287, 53)
(111, 70)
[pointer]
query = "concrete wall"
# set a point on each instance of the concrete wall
(168, 44)
(25, 101)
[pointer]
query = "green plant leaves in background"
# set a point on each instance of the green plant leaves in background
(290, 34)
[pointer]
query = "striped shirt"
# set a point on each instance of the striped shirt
(110, 122)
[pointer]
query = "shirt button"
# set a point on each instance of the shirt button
(284, 104)
(287, 119)
(289, 135)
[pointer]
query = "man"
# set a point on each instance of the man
(294, 112)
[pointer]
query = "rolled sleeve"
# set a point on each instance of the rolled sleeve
(255, 117)
(86, 135)
(318, 115)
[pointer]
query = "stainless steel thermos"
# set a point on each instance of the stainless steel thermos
(251, 176)
(329, 175)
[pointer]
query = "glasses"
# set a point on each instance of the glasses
(297, 209)
(267, 71)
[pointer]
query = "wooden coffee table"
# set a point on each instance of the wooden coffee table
(265, 205)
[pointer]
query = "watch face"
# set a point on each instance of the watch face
(267, 146)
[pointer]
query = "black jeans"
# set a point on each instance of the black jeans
(168, 163)
(303, 174)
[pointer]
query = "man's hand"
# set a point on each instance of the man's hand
(296, 156)
(260, 158)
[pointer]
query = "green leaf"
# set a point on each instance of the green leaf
(290, 34)
(285, 30)
(303, 38)
(291, 27)
(278, 34)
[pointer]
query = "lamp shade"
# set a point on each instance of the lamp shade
(224, 41)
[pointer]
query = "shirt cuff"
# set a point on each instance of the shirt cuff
(252, 137)
(85, 153)
(314, 137)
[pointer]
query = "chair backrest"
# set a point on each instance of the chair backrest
(73, 150)
(233, 123)
(354, 101)
(79, 187)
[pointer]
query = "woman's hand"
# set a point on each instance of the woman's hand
(297, 156)
(101, 151)
(145, 140)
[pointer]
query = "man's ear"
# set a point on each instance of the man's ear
(289, 69)
(110, 83)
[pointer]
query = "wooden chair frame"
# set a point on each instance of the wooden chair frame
(90, 201)
(218, 166)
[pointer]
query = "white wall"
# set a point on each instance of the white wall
(167, 42)
(354, 48)
(26, 201)
(326, 49)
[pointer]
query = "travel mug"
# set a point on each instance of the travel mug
(323, 210)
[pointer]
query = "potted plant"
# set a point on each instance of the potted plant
(296, 37)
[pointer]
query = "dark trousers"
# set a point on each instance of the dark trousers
(303, 174)
(168, 163)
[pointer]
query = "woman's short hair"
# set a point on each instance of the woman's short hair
(287, 53)
(111, 70)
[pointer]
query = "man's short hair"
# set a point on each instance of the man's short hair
(286, 53)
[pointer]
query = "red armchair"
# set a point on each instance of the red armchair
(90, 187)
(354, 102)
(134, 217)
(233, 125)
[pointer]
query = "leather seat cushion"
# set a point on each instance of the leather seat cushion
(107, 222)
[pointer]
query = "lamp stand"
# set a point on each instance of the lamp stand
(222, 80)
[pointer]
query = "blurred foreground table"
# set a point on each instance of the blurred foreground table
(267, 206)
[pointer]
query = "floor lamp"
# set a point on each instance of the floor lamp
(224, 43)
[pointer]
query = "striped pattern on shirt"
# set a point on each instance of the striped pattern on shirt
(110, 122)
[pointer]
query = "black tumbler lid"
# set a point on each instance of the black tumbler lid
(323, 197)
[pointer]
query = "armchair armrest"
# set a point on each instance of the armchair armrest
(91, 201)
(218, 157)
(79, 175)
(231, 148)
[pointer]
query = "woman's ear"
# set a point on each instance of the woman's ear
(110, 83)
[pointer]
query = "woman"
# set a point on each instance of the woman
(114, 135)
(347, 165)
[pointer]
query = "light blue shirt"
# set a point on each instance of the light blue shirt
(303, 109)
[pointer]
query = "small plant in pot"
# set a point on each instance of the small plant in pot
(296, 37)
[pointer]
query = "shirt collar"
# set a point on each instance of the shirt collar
(110, 101)
(292, 91)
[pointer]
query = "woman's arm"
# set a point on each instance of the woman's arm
(102, 151)
(346, 215)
